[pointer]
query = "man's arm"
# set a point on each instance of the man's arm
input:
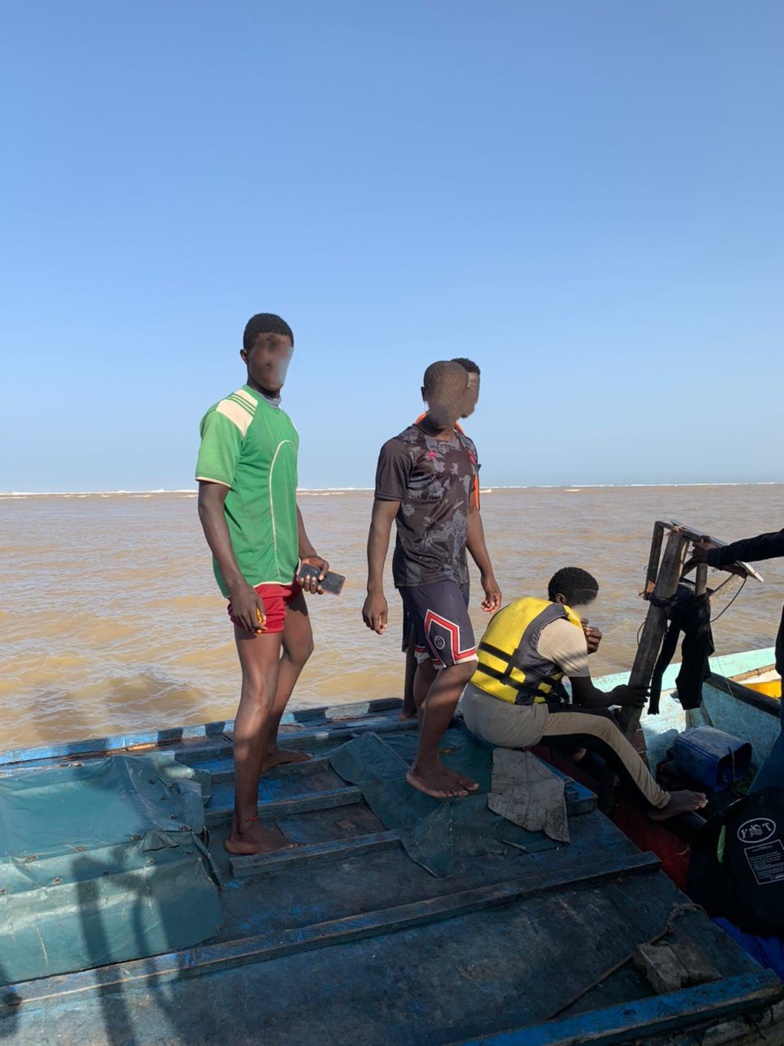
(589, 696)
(566, 646)
(308, 554)
(748, 550)
(374, 612)
(246, 605)
(477, 547)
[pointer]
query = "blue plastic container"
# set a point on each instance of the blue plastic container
(711, 758)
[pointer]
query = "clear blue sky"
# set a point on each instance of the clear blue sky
(583, 195)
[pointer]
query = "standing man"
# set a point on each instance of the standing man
(425, 482)
(409, 709)
(247, 473)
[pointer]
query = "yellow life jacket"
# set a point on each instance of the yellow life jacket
(510, 666)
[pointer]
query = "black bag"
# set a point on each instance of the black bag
(739, 873)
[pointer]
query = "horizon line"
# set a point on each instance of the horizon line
(570, 487)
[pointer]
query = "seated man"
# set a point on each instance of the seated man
(515, 698)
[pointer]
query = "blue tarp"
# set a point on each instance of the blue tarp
(101, 863)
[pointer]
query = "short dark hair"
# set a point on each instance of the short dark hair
(467, 364)
(573, 584)
(264, 323)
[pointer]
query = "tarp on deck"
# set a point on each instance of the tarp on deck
(101, 863)
(434, 833)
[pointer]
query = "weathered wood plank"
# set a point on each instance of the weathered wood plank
(295, 804)
(225, 772)
(265, 947)
(639, 1021)
(313, 853)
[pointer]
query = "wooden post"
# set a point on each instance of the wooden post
(701, 580)
(667, 579)
(653, 558)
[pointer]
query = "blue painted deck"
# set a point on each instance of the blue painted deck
(347, 939)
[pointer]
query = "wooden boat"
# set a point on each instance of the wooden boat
(346, 938)
(729, 703)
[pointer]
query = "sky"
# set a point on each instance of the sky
(584, 196)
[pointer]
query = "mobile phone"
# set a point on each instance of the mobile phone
(331, 582)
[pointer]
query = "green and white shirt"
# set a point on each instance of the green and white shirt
(250, 446)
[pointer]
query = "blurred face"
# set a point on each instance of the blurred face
(268, 362)
(471, 396)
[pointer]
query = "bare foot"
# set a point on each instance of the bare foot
(578, 754)
(683, 802)
(249, 837)
(460, 779)
(406, 715)
(432, 781)
(282, 756)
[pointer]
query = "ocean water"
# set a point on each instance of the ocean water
(111, 619)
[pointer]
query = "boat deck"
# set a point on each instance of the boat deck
(345, 938)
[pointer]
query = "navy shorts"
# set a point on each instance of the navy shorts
(438, 614)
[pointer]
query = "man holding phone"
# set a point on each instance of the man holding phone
(247, 474)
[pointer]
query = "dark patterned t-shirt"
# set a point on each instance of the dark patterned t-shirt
(433, 480)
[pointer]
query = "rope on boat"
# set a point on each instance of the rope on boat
(669, 927)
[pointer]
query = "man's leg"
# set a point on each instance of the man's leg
(441, 619)
(574, 729)
(409, 709)
(259, 659)
(427, 772)
(425, 674)
(297, 644)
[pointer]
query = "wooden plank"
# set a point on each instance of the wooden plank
(654, 557)
(191, 754)
(641, 1020)
(745, 694)
(295, 804)
(349, 729)
(362, 708)
(265, 947)
(97, 746)
(313, 853)
(308, 766)
(701, 579)
(349, 710)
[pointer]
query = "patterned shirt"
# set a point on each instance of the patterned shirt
(432, 479)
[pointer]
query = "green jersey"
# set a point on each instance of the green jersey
(250, 446)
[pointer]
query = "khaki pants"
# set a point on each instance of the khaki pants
(521, 726)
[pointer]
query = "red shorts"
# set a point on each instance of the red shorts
(276, 599)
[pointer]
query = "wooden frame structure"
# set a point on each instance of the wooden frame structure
(662, 577)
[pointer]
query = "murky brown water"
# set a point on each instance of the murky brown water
(111, 619)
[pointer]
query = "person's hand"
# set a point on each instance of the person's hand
(247, 609)
(374, 612)
(699, 553)
(629, 696)
(492, 600)
(593, 638)
(311, 582)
